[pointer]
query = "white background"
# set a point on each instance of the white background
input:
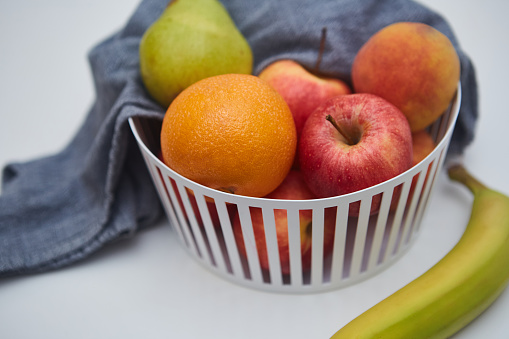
(148, 287)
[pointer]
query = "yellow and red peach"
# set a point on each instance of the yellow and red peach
(412, 65)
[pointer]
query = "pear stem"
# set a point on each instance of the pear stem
(320, 51)
(459, 173)
(349, 141)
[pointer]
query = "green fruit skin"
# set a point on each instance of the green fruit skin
(190, 41)
(458, 288)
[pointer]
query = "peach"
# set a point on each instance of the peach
(412, 65)
(423, 145)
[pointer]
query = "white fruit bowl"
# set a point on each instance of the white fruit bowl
(363, 245)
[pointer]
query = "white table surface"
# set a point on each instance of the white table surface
(148, 287)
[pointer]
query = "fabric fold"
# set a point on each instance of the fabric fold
(59, 209)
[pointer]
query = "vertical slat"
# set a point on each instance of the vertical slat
(210, 232)
(250, 243)
(444, 124)
(181, 218)
(269, 226)
(381, 224)
(396, 223)
(338, 252)
(162, 190)
(229, 238)
(198, 237)
(411, 209)
(437, 167)
(360, 237)
(425, 195)
(317, 246)
(434, 129)
(294, 241)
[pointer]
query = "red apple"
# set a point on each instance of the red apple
(292, 188)
(353, 142)
(302, 90)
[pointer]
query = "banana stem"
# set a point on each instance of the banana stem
(459, 173)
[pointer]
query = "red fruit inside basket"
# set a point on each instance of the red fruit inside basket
(292, 188)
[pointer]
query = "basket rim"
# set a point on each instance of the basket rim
(347, 197)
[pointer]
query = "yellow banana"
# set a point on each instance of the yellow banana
(458, 288)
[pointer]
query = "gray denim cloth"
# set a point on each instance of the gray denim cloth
(59, 209)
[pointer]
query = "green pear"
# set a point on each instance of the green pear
(190, 41)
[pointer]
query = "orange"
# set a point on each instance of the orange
(231, 132)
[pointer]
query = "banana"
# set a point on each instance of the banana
(458, 288)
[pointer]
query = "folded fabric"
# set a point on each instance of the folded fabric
(59, 209)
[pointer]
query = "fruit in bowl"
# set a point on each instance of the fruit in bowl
(234, 137)
(422, 145)
(292, 188)
(302, 90)
(352, 142)
(232, 133)
(413, 66)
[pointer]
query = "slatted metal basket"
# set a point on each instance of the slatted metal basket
(361, 246)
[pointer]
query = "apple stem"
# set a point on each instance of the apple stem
(322, 47)
(349, 141)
